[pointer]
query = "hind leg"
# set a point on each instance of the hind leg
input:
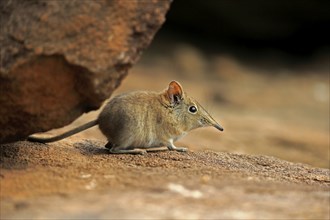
(133, 151)
(123, 150)
(157, 149)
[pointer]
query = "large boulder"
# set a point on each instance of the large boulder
(60, 59)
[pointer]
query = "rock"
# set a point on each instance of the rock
(60, 59)
(73, 180)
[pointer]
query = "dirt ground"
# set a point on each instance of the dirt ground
(79, 179)
(268, 112)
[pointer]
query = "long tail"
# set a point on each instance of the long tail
(64, 135)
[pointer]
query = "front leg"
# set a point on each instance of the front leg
(171, 146)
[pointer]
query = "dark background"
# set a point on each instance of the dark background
(299, 28)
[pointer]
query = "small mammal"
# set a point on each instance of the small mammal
(140, 120)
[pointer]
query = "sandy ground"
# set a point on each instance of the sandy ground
(274, 112)
(79, 179)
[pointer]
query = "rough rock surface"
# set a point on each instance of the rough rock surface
(62, 58)
(75, 180)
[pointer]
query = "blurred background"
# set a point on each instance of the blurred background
(260, 67)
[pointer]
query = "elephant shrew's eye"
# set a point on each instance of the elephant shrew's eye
(192, 109)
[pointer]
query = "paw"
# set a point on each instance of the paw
(181, 149)
(141, 152)
(121, 151)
